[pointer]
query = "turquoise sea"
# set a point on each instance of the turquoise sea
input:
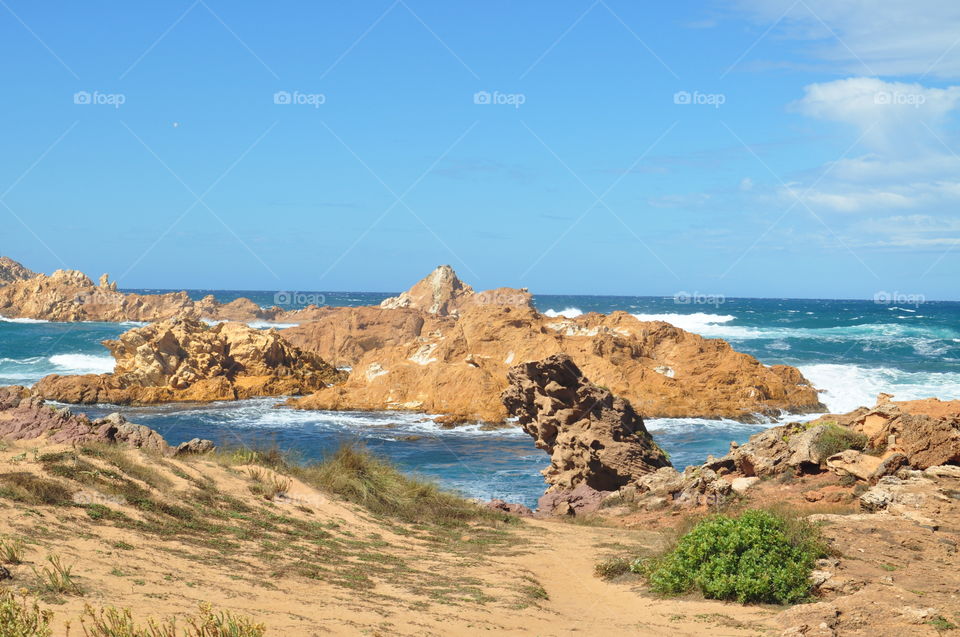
(851, 349)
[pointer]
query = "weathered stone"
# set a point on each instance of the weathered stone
(593, 437)
(195, 446)
(188, 360)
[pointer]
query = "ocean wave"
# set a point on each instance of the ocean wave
(265, 325)
(82, 364)
(570, 312)
(4, 319)
(716, 326)
(697, 322)
(850, 386)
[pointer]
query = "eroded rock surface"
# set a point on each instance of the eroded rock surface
(596, 441)
(456, 363)
(441, 292)
(11, 271)
(188, 360)
(26, 417)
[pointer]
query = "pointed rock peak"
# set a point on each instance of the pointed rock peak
(11, 271)
(440, 292)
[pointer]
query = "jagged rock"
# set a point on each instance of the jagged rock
(951, 471)
(24, 417)
(456, 364)
(69, 295)
(926, 431)
(188, 360)
(11, 271)
(817, 619)
(196, 446)
(442, 292)
(594, 438)
(5, 574)
(579, 500)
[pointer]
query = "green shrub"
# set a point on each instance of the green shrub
(835, 439)
(11, 551)
(759, 556)
(18, 618)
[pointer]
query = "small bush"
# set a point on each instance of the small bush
(19, 618)
(111, 622)
(759, 556)
(614, 567)
(835, 439)
(11, 551)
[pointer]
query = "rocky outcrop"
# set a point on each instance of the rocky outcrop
(11, 271)
(596, 441)
(26, 417)
(188, 360)
(69, 295)
(441, 292)
(457, 365)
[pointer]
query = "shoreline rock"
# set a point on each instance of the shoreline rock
(597, 443)
(26, 417)
(187, 360)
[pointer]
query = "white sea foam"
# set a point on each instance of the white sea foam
(570, 312)
(850, 386)
(21, 320)
(265, 325)
(82, 364)
(697, 322)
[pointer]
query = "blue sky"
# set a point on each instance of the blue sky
(750, 148)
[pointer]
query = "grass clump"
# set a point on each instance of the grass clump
(58, 577)
(759, 556)
(835, 439)
(111, 622)
(359, 477)
(27, 488)
(611, 568)
(11, 551)
(20, 618)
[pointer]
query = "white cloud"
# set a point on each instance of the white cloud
(893, 117)
(869, 37)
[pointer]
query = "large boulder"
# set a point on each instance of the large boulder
(596, 441)
(188, 360)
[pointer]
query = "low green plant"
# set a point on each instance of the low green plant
(22, 618)
(835, 439)
(57, 577)
(941, 624)
(758, 556)
(11, 551)
(112, 622)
